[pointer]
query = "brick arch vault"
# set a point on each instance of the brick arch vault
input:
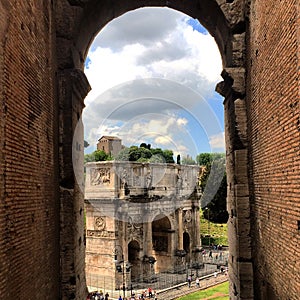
(77, 23)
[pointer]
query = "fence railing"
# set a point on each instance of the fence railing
(160, 281)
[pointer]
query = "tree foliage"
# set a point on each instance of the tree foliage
(205, 159)
(188, 160)
(98, 155)
(213, 183)
(168, 156)
(144, 153)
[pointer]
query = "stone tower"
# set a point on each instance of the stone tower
(111, 145)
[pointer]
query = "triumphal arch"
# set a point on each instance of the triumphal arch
(142, 215)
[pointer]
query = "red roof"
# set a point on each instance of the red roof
(107, 137)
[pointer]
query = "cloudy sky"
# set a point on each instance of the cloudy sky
(153, 72)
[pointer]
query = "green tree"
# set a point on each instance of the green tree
(98, 155)
(123, 155)
(144, 145)
(144, 153)
(204, 159)
(168, 155)
(214, 186)
(135, 153)
(188, 160)
(157, 158)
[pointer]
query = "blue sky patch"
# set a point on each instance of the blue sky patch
(87, 62)
(197, 26)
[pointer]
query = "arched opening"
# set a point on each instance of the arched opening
(160, 94)
(134, 260)
(95, 15)
(161, 242)
(163, 238)
(186, 246)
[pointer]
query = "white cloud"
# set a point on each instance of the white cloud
(182, 121)
(217, 142)
(126, 101)
(162, 140)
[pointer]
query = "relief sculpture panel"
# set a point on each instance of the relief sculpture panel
(100, 176)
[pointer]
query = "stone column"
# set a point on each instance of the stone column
(149, 234)
(73, 87)
(147, 241)
(238, 198)
(180, 230)
(196, 218)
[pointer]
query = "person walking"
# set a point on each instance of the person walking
(215, 275)
(189, 281)
(197, 282)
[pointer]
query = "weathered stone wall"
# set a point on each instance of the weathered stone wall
(126, 202)
(29, 208)
(274, 134)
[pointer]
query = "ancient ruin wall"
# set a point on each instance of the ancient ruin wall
(29, 214)
(274, 134)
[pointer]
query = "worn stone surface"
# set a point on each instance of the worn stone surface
(154, 213)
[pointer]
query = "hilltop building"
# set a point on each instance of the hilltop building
(111, 145)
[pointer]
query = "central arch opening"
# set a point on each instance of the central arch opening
(152, 84)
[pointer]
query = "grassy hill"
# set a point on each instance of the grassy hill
(217, 232)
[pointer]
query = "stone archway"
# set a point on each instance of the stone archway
(78, 23)
(134, 260)
(187, 245)
(162, 242)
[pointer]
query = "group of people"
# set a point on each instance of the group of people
(146, 294)
(197, 281)
(216, 247)
(143, 295)
(97, 296)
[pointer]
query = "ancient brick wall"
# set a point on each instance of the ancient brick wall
(29, 211)
(274, 135)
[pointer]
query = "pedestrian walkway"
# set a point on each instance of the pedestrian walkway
(182, 289)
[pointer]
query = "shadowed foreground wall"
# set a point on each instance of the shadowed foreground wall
(29, 207)
(274, 135)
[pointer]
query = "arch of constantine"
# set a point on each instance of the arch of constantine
(43, 47)
(144, 214)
